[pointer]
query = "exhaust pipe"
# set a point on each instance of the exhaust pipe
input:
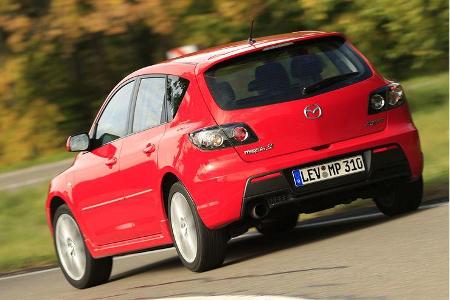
(259, 210)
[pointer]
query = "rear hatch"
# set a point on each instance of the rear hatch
(299, 96)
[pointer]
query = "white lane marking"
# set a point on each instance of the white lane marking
(117, 257)
(236, 238)
(28, 274)
(434, 205)
(359, 217)
(235, 297)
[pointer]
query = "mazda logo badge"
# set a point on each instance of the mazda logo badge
(312, 111)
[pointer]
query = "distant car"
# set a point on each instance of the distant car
(193, 151)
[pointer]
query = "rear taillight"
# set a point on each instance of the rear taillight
(386, 98)
(223, 136)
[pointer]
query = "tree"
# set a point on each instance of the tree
(60, 58)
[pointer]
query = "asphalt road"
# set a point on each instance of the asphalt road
(32, 175)
(355, 255)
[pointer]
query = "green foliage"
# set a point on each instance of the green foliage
(60, 58)
(428, 100)
(26, 130)
(400, 37)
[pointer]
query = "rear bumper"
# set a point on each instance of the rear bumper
(382, 164)
(223, 200)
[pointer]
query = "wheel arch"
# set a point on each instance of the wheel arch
(53, 203)
(167, 181)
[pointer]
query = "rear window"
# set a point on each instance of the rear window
(281, 73)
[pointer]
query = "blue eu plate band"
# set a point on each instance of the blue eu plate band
(297, 178)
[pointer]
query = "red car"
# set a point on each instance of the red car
(195, 150)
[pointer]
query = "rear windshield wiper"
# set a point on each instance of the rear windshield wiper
(327, 82)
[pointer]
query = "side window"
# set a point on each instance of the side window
(176, 88)
(149, 103)
(114, 119)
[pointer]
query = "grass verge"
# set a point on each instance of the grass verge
(24, 236)
(428, 98)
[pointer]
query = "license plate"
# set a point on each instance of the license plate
(327, 171)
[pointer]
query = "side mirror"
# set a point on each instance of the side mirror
(78, 142)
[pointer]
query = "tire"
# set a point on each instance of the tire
(279, 226)
(78, 266)
(400, 199)
(199, 248)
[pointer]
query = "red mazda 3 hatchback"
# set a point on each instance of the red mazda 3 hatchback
(193, 151)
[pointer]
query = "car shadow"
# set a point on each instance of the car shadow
(165, 264)
(257, 245)
(253, 245)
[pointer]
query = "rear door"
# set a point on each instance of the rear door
(139, 158)
(266, 90)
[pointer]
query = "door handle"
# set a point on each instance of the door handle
(111, 162)
(149, 149)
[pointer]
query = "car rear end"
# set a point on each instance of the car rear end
(313, 125)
